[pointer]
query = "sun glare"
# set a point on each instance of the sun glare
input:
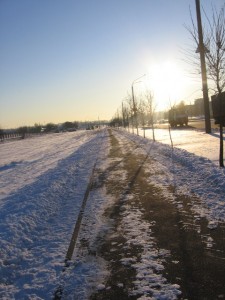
(167, 82)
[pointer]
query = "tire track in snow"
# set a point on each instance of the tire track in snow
(76, 230)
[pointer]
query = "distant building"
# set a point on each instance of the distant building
(199, 107)
(190, 110)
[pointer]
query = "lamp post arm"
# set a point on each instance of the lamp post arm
(138, 79)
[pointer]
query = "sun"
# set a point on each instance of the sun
(167, 82)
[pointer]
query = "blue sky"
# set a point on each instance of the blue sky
(76, 60)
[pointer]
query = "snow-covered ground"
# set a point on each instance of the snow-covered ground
(194, 141)
(191, 165)
(43, 182)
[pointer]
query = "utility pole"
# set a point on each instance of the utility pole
(201, 48)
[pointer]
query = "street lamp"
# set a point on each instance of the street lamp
(134, 105)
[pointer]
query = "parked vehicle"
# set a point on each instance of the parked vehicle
(177, 117)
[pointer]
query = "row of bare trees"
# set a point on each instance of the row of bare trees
(213, 49)
(135, 111)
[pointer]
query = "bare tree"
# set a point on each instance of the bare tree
(215, 56)
(197, 34)
(151, 107)
(130, 109)
(127, 117)
(142, 113)
(214, 50)
(125, 114)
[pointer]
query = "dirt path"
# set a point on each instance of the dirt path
(155, 247)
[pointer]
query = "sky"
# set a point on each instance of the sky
(76, 60)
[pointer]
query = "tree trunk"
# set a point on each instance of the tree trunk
(221, 146)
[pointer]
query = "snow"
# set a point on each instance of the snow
(192, 166)
(43, 182)
(194, 141)
(23, 161)
(40, 201)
